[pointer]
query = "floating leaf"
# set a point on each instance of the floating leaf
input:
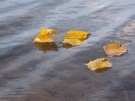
(75, 34)
(115, 49)
(48, 31)
(43, 38)
(43, 31)
(74, 42)
(101, 63)
(47, 46)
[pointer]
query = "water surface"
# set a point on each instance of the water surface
(27, 74)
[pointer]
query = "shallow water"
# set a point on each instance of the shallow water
(27, 74)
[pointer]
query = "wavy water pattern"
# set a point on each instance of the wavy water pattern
(27, 74)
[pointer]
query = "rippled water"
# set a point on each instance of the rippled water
(27, 74)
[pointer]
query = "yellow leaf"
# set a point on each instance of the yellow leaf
(101, 63)
(52, 31)
(43, 38)
(115, 49)
(47, 46)
(75, 34)
(48, 31)
(74, 42)
(43, 31)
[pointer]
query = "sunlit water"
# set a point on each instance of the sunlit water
(27, 74)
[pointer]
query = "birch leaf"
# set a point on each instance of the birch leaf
(74, 42)
(43, 38)
(75, 34)
(47, 46)
(115, 49)
(101, 63)
(45, 31)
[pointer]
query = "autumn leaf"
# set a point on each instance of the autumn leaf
(75, 34)
(43, 38)
(75, 37)
(45, 31)
(115, 49)
(47, 46)
(74, 42)
(97, 64)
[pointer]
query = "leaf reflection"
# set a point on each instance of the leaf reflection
(67, 45)
(101, 70)
(46, 46)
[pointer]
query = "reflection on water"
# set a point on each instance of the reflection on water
(67, 45)
(46, 46)
(101, 70)
(51, 46)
